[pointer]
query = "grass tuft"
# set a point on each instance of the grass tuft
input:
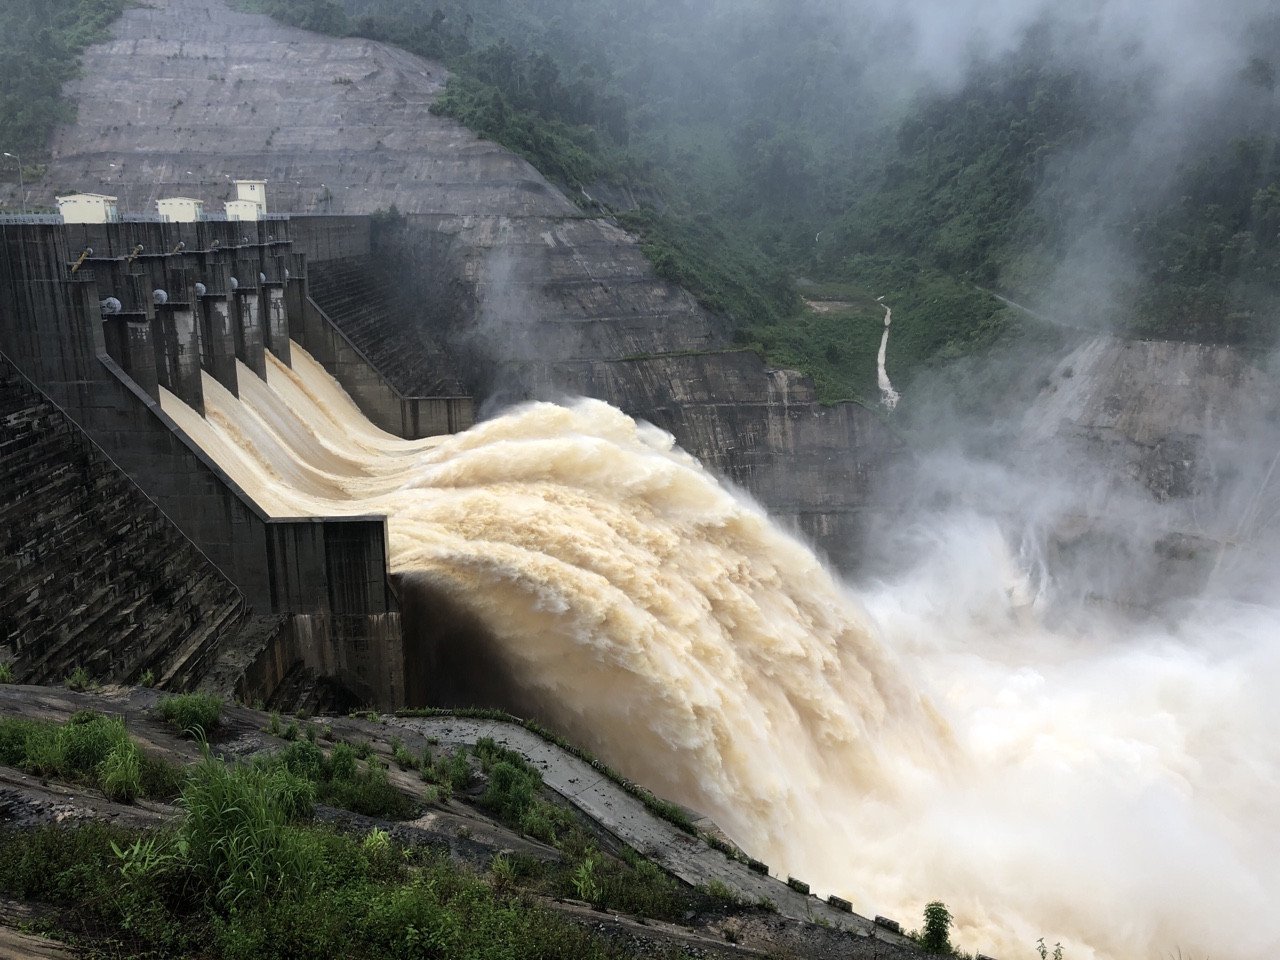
(120, 773)
(194, 715)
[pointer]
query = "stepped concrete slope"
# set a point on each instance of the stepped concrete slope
(93, 575)
(370, 309)
(539, 296)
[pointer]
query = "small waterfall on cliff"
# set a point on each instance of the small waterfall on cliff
(926, 739)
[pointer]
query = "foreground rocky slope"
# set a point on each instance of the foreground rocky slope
(537, 295)
(462, 827)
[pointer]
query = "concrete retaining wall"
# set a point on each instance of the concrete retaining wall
(321, 238)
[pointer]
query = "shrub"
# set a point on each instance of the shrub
(235, 832)
(79, 680)
(14, 732)
(640, 887)
(148, 679)
(585, 882)
(90, 749)
(510, 792)
(192, 714)
(338, 780)
(76, 750)
(303, 759)
(342, 762)
(6, 672)
(165, 895)
(159, 779)
(369, 793)
(377, 844)
(58, 865)
(722, 895)
(503, 872)
(454, 769)
(403, 758)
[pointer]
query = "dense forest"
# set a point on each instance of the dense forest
(777, 162)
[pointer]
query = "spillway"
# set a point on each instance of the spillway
(922, 740)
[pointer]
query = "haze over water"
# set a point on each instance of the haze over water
(926, 738)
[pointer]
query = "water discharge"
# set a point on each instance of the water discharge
(888, 396)
(923, 739)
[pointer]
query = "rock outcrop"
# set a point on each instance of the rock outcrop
(539, 296)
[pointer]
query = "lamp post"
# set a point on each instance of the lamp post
(22, 187)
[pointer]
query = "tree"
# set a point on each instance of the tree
(936, 937)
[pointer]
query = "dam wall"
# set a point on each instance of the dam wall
(93, 575)
(104, 318)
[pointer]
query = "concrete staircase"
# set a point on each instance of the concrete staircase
(92, 573)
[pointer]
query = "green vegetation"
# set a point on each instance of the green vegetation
(748, 149)
(340, 779)
(6, 671)
(80, 680)
(40, 45)
(194, 715)
(247, 874)
(89, 749)
(668, 811)
(627, 882)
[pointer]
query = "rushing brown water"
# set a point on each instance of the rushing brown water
(926, 740)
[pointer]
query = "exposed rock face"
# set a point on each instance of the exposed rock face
(1154, 410)
(1172, 451)
(537, 296)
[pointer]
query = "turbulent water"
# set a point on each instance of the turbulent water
(926, 739)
